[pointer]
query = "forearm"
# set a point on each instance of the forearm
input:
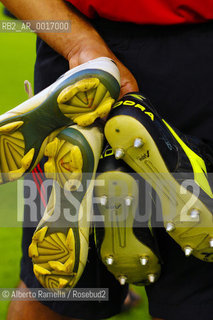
(82, 44)
(63, 43)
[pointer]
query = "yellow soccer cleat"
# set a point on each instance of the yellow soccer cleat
(176, 166)
(59, 245)
(79, 96)
(125, 244)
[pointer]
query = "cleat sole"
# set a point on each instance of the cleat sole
(116, 249)
(11, 127)
(80, 96)
(60, 245)
(64, 164)
(177, 202)
(25, 163)
(53, 258)
(96, 103)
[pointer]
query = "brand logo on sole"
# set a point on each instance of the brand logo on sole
(131, 103)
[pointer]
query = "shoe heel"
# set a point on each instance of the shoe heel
(64, 164)
(85, 101)
(14, 161)
(53, 256)
(125, 256)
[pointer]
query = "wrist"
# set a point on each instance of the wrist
(87, 48)
(80, 37)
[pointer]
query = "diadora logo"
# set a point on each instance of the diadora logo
(107, 153)
(130, 103)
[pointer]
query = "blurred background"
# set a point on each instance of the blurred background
(17, 58)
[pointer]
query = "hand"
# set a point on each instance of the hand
(93, 47)
(82, 44)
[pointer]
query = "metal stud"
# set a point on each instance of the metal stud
(144, 261)
(138, 142)
(170, 227)
(211, 243)
(151, 278)
(128, 201)
(103, 200)
(194, 214)
(188, 250)
(122, 280)
(119, 153)
(109, 260)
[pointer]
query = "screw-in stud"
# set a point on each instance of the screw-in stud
(144, 261)
(151, 278)
(170, 227)
(122, 280)
(138, 142)
(128, 201)
(211, 243)
(188, 250)
(194, 214)
(119, 153)
(109, 260)
(103, 200)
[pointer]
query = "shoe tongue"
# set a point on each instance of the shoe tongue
(28, 88)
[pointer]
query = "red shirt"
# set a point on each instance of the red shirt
(148, 11)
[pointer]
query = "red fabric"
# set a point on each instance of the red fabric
(148, 11)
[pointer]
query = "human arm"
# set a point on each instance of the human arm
(83, 43)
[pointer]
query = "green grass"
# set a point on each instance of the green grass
(17, 59)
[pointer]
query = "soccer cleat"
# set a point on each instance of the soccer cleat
(175, 165)
(79, 96)
(125, 245)
(59, 245)
(66, 154)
